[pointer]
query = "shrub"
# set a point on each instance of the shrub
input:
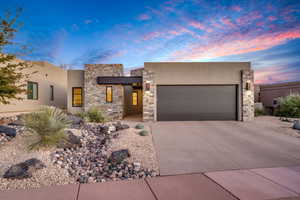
(95, 114)
(259, 112)
(139, 126)
(48, 124)
(82, 115)
(143, 133)
(289, 106)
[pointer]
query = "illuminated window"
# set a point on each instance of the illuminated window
(134, 98)
(77, 97)
(109, 95)
(32, 90)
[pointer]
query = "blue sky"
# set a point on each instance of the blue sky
(132, 32)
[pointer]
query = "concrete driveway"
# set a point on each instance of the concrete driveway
(205, 146)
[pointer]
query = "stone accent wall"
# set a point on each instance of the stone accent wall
(137, 72)
(256, 93)
(95, 94)
(247, 95)
(148, 96)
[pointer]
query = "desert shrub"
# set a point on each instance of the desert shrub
(48, 124)
(139, 126)
(82, 115)
(289, 106)
(259, 112)
(143, 133)
(95, 114)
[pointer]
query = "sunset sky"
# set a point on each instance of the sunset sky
(132, 32)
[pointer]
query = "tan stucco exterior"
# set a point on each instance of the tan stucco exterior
(75, 79)
(47, 74)
(197, 73)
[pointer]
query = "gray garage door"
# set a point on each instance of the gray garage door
(198, 102)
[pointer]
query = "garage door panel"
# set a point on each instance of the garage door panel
(188, 103)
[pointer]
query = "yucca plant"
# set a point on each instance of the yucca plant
(48, 124)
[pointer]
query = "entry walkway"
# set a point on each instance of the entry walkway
(254, 184)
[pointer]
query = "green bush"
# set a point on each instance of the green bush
(95, 114)
(139, 126)
(143, 133)
(259, 112)
(289, 106)
(48, 124)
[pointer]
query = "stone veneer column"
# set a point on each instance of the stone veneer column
(95, 94)
(148, 96)
(247, 95)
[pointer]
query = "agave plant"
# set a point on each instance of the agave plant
(48, 124)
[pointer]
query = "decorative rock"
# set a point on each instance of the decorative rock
(296, 125)
(77, 122)
(11, 132)
(90, 162)
(24, 169)
(72, 141)
(143, 133)
(119, 156)
(119, 126)
(112, 128)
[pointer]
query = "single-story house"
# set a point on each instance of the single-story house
(268, 94)
(166, 91)
(46, 85)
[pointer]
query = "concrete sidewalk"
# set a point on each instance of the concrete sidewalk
(255, 184)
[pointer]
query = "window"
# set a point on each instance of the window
(77, 97)
(135, 98)
(109, 95)
(32, 90)
(51, 93)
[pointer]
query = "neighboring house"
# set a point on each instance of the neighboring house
(166, 91)
(48, 86)
(269, 94)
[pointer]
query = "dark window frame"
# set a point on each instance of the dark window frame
(51, 93)
(37, 90)
(137, 98)
(106, 89)
(73, 88)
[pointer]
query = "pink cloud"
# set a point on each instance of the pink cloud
(227, 22)
(235, 44)
(144, 17)
(275, 74)
(199, 26)
(236, 8)
(272, 18)
(248, 18)
(152, 35)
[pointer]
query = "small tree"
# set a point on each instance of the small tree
(289, 106)
(11, 70)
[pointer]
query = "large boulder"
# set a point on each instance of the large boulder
(119, 156)
(296, 125)
(72, 141)
(11, 132)
(77, 122)
(119, 126)
(24, 169)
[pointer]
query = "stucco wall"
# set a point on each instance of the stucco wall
(75, 79)
(185, 73)
(47, 74)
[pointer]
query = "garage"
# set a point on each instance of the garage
(196, 102)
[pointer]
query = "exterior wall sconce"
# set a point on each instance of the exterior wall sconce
(248, 86)
(147, 86)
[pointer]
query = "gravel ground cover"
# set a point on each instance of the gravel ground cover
(88, 161)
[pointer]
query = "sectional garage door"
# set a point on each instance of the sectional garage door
(196, 102)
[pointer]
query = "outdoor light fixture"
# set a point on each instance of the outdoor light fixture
(248, 86)
(147, 86)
